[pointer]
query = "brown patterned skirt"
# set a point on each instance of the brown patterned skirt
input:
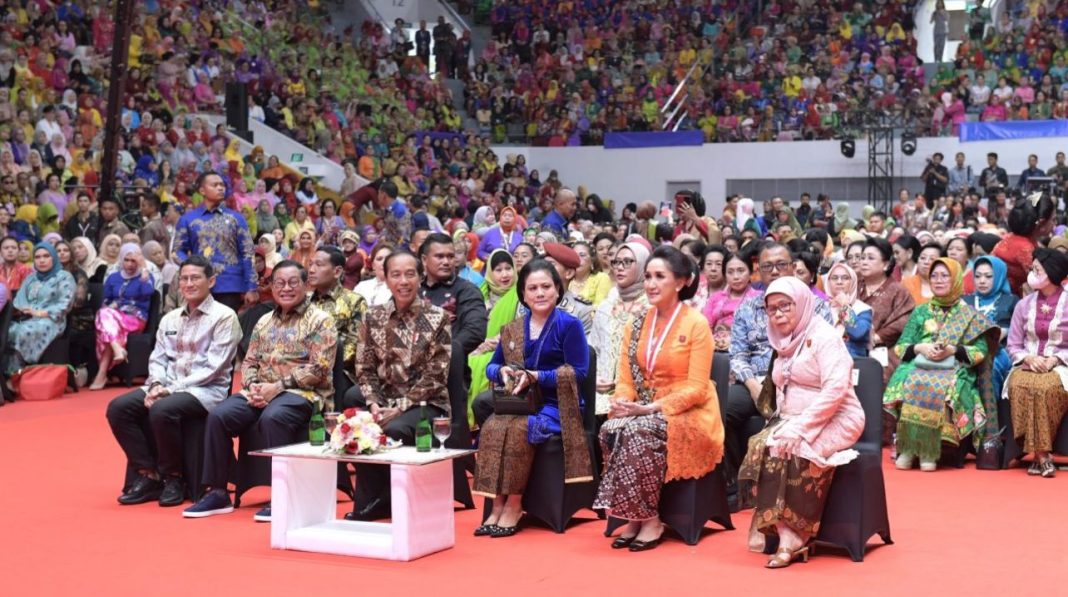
(504, 457)
(1039, 402)
(789, 491)
(635, 452)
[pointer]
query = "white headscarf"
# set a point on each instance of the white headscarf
(746, 208)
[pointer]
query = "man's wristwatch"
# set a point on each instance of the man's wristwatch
(287, 383)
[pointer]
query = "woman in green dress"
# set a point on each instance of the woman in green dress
(943, 390)
(499, 288)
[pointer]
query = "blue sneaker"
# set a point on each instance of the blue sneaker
(216, 501)
(264, 515)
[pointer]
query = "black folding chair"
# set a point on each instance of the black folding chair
(547, 498)
(5, 325)
(856, 500)
(256, 472)
(1012, 448)
(460, 436)
(687, 504)
(139, 346)
(58, 353)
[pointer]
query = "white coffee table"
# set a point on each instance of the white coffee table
(304, 503)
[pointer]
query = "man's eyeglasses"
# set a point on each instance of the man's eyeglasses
(624, 263)
(779, 266)
(293, 283)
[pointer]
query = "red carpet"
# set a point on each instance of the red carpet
(968, 531)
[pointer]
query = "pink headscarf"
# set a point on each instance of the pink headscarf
(851, 290)
(804, 306)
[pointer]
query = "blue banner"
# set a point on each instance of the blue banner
(652, 139)
(1014, 129)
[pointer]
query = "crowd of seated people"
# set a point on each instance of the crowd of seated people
(508, 276)
(1013, 69)
(568, 73)
(790, 295)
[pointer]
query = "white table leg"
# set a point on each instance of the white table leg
(303, 494)
(423, 521)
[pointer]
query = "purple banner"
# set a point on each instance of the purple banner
(652, 139)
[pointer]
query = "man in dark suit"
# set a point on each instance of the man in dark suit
(422, 43)
(461, 299)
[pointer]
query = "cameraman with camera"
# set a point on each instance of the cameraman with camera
(935, 177)
(1031, 171)
(1059, 172)
(993, 178)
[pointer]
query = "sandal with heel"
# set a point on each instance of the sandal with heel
(784, 557)
(1048, 469)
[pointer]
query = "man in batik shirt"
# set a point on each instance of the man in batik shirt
(325, 274)
(286, 376)
(402, 358)
(220, 235)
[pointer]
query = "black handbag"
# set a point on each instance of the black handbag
(504, 401)
(525, 403)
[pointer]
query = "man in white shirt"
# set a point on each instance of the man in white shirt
(48, 123)
(189, 373)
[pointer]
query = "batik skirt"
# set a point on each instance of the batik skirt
(1039, 402)
(933, 411)
(789, 491)
(505, 456)
(635, 453)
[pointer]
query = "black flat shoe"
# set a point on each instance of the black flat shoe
(485, 530)
(500, 531)
(622, 542)
(644, 545)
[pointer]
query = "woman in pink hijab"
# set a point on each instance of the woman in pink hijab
(814, 418)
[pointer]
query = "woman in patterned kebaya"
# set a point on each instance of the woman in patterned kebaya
(943, 390)
(664, 422)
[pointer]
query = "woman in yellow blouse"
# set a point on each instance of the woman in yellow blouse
(590, 283)
(300, 223)
(664, 422)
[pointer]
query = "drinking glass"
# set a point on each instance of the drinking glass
(442, 430)
(330, 420)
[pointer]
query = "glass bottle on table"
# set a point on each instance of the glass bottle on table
(316, 429)
(423, 434)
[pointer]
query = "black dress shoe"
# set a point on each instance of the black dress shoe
(622, 542)
(173, 492)
(376, 509)
(485, 530)
(637, 545)
(500, 531)
(143, 490)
